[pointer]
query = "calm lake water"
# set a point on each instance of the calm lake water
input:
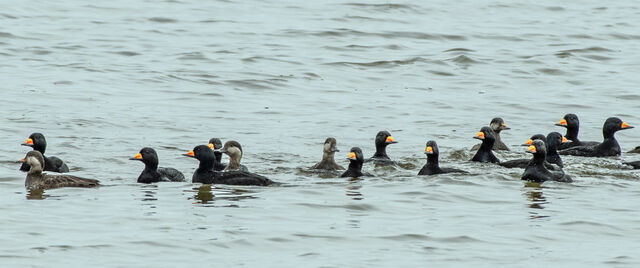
(102, 80)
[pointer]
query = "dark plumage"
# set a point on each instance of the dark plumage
(484, 153)
(572, 124)
(383, 139)
(608, 147)
(635, 150)
(328, 162)
(552, 141)
(36, 179)
(205, 173)
(536, 170)
(39, 143)
(356, 159)
(634, 164)
(215, 144)
(498, 125)
(233, 149)
(432, 166)
(151, 172)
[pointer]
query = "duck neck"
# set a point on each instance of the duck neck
(487, 145)
(328, 158)
(432, 160)
(381, 150)
(538, 158)
(234, 162)
(355, 165)
(205, 166)
(572, 133)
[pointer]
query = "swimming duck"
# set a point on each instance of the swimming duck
(205, 173)
(572, 124)
(498, 125)
(553, 160)
(635, 150)
(608, 147)
(634, 164)
(329, 149)
(383, 139)
(432, 167)
(234, 151)
(356, 159)
(215, 144)
(36, 179)
(484, 153)
(39, 143)
(151, 172)
(536, 170)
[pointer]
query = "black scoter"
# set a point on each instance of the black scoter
(536, 170)
(356, 159)
(572, 124)
(484, 153)
(205, 173)
(608, 147)
(216, 144)
(432, 166)
(151, 172)
(383, 139)
(39, 143)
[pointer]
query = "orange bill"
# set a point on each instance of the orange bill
(137, 156)
(563, 122)
(564, 139)
(190, 153)
(213, 147)
(532, 149)
(625, 125)
(480, 135)
(429, 149)
(29, 141)
(529, 142)
(352, 156)
(390, 139)
(22, 160)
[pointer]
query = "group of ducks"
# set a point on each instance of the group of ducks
(545, 165)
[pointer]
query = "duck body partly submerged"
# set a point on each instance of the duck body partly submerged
(37, 179)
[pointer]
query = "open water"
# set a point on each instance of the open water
(103, 79)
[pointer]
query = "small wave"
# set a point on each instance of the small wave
(163, 20)
(125, 53)
(551, 71)
(382, 63)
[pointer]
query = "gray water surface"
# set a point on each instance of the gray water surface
(102, 80)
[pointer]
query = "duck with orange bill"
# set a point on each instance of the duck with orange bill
(432, 166)
(498, 125)
(37, 179)
(153, 173)
(484, 153)
(216, 144)
(380, 157)
(356, 159)
(553, 160)
(536, 170)
(207, 175)
(572, 124)
(52, 163)
(608, 147)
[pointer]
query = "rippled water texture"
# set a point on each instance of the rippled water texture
(102, 80)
